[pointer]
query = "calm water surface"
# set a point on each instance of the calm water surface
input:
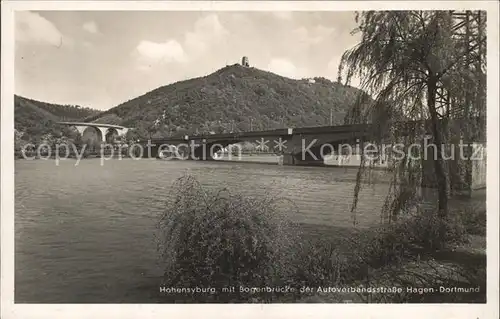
(85, 233)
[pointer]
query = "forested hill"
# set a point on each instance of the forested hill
(234, 98)
(35, 119)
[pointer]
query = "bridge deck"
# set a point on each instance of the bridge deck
(350, 128)
(92, 124)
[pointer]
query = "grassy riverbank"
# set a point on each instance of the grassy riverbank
(220, 240)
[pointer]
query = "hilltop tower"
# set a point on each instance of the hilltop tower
(244, 61)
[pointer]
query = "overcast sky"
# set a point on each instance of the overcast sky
(101, 59)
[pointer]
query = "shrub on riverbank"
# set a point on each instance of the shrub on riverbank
(473, 217)
(220, 239)
(403, 255)
(411, 236)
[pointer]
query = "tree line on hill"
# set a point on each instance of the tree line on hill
(231, 99)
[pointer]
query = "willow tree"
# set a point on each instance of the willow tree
(409, 62)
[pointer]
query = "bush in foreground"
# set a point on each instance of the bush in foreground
(421, 232)
(220, 239)
(473, 217)
(382, 256)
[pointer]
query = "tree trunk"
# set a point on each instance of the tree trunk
(438, 160)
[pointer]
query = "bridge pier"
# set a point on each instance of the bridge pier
(103, 131)
(81, 129)
(297, 160)
(202, 154)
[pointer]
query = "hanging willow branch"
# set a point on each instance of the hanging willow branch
(401, 61)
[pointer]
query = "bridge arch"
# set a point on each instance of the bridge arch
(345, 150)
(84, 131)
(111, 135)
(208, 150)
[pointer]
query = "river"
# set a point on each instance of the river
(84, 233)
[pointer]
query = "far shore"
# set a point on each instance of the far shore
(244, 158)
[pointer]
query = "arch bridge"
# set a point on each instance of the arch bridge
(102, 129)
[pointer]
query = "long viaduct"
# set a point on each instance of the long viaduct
(298, 146)
(102, 130)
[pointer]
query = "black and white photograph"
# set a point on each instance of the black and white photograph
(225, 153)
